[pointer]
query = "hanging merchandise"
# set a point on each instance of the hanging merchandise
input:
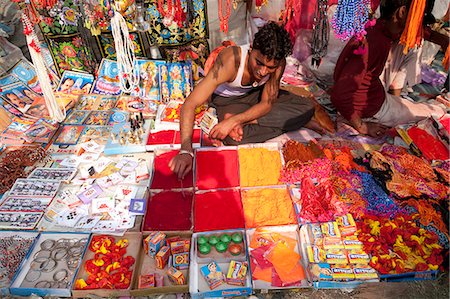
(59, 23)
(126, 59)
(57, 16)
(224, 18)
(258, 4)
(413, 32)
(320, 33)
(176, 22)
(41, 70)
(350, 18)
(196, 51)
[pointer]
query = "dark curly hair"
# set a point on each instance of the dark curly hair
(389, 7)
(273, 41)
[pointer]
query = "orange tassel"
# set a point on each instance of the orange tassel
(412, 34)
(445, 61)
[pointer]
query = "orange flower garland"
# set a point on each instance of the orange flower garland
(110, 268)
(399, 245)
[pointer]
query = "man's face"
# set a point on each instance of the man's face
(260, 66)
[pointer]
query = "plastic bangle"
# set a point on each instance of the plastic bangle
(186, 152)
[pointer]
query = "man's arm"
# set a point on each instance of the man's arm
(223, 70)
(268, 96)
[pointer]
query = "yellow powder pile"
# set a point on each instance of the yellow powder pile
(259, 167)
(263, 207)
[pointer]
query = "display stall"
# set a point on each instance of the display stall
(90, 204)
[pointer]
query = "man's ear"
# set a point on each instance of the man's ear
(401, 13)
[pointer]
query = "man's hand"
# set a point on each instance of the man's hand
(372, 129)
(222, 129)
(181, 164)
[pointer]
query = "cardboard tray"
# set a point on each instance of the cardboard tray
(21, 287)
(4, 289)
(292, 231)
(147, 266)
(134, 241)
(198, 288)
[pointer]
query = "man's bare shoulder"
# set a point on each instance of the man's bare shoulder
(227, 61)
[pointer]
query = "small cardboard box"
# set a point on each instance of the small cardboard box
(154, 242)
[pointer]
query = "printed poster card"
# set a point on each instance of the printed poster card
(60, 174)
(75, 83)
(138, 206)
(24, 99)
(96, 102)
(118, 117)
(148, 79)
(26, 73)
(18, 95)
(76, 117)
(69, 135)
(98, 133)
(17, 128)
(88, 222)
(97, 118)
(105, 226)
(41, 131)
(34, 188)
(8, 79)
(9, 107)
(108, 79)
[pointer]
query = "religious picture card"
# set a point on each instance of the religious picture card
(75, 83)
(25, 72)
(96, 102)
(148, 79)
(8, 79)
(17, 94)
(41, 131)
(69, 135)
(76, 117)
(108, 79)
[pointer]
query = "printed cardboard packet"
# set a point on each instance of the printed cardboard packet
(336, 256)
(330, 230)
(352, 243)
(364, 272)
(347, 225)
(341, 272)
(358, 257)
(315, 254)
(320, 271)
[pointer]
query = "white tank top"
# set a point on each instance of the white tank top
(235, 88)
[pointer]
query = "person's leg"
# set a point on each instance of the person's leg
(289, 112)
(397, 111)
(253, 133)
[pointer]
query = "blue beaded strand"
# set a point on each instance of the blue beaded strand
(378, 202)
(350, 18)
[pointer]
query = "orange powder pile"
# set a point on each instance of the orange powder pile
(263, 207)
(259, 167)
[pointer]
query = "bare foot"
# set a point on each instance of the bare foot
(237, 133)
(315, 126)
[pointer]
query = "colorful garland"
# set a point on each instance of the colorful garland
(399, 245)
(110, 268)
